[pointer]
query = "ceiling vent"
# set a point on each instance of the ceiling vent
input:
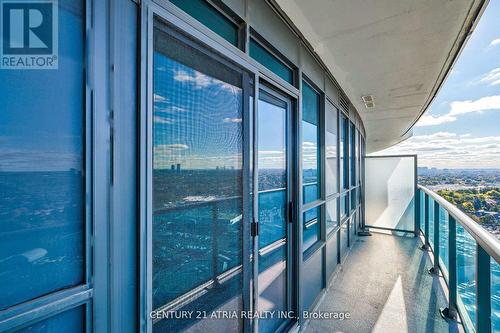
(369, 101)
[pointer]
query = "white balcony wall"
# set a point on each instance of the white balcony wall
(390, 192)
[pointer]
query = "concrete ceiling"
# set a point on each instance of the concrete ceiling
(399, 51)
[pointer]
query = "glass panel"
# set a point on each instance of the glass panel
(272, 287)
(390, 191)
(272, 169)
(352, 145)
(495, 296)
(41, 170)
(352, 230)
(344, 239)
(266, 58)
(431, 222)
(331, 150)
(197, 184)
(466, 271)
(344, 152)
(311, 230)
(343, 205)
(353, 199)
(358, 158)
(331, 254)
(211, 17)
(272, 161)
(443, 238)
(69, 321)
(331, 215)
(313, 280)
(310, 144)
(272, 222)
(422, 211)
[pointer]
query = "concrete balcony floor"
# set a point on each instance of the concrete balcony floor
(385, 287)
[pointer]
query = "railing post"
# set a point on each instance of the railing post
(215, 244)
(435, 268)
(417, 212)
(451, 311)
(483, 291)
(426, 222)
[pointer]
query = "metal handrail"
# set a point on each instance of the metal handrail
(487, 241)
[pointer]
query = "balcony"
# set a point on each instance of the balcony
(207, 157)
(431, 268)
(385, 287)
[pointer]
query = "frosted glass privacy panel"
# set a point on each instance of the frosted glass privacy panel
(390, 191)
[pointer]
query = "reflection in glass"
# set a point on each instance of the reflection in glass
(353, 199)
(41, 171)
(313, 281)
(331, 215)
(331, 150)
(352, 153)
(466, 271)
(358, 157)
(69, 321)
(422, 211)
(272, 287)
(331, 254)
(344, 239)
(272, 169)
(343, 205)
(310, 143)
(443, 238)
(273, 200)
(197, 183)
(431, 222)
(272, 143)
(272, 222)
(344, 152)
(311, 228)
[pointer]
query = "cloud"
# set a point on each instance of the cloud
(169, 109)
(201, 80)
(430, 120)
(161, 120)
(232, 120)
(492, 77)
(451, 150)
(173, 146)
(495, 42)
(482, 104)
(158, 98)
(169, 152)
(459, 108)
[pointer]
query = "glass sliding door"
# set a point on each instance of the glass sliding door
(197, 184)
(274, 196)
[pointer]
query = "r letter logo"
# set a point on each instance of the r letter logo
(29, 34)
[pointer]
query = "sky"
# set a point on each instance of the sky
(461, 128)
(41, 122)
(197, 119)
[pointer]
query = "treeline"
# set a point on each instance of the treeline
(471, 201)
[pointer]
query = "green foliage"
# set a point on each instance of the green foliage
(474, 200)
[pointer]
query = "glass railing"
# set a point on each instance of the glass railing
(468, 257)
